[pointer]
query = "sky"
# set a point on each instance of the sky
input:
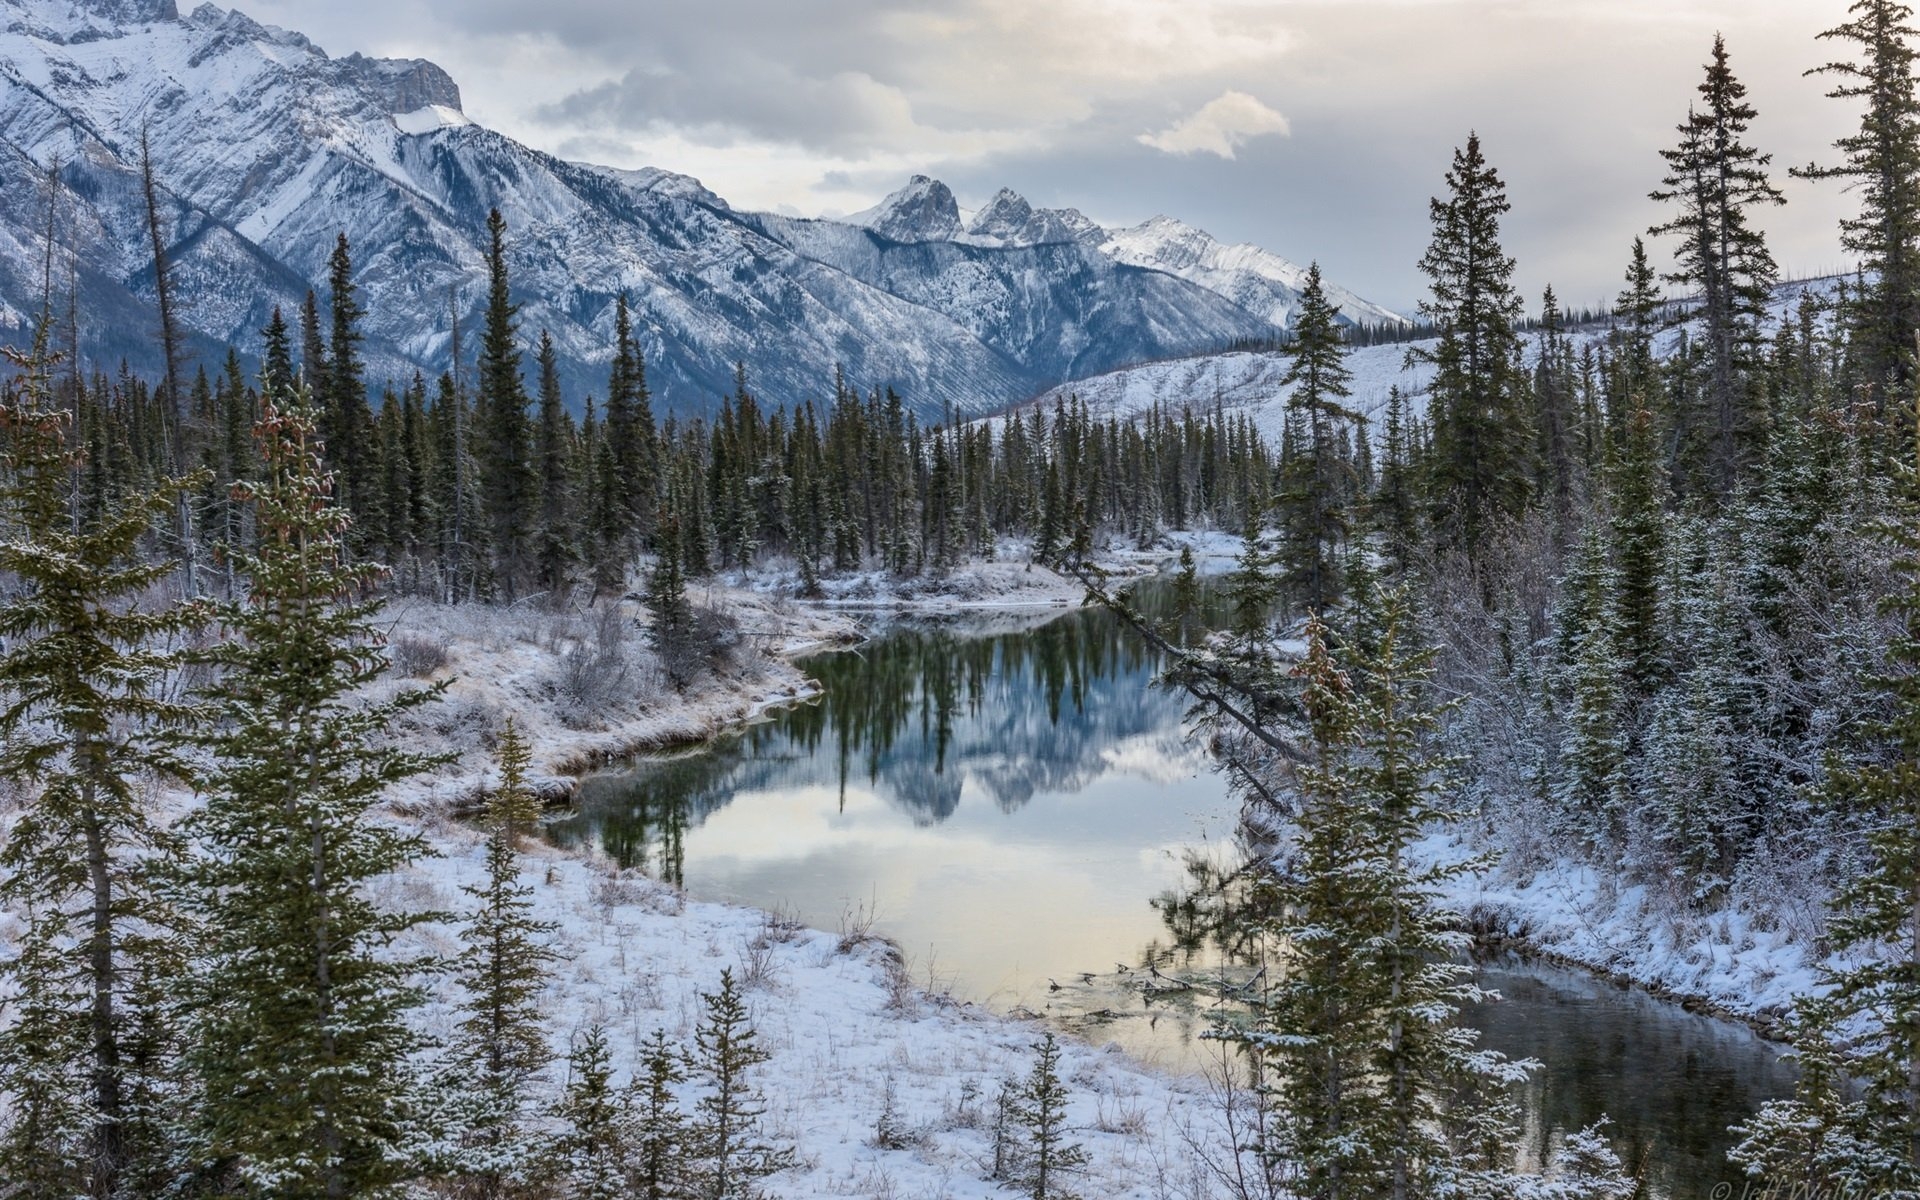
(1315, 128)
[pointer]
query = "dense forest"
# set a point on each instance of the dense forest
(1642, 594)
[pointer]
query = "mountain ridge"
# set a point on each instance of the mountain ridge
(265, 148)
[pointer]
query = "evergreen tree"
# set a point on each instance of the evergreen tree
(671, 630)
(554, 554)
(1870, 1145)
(1717, 181)
(729, 1156)
(1252, 589)
(345, 421)
(1480, 465)
(660, 1128)
(1882, 161)
(509, 485)
(1637, 319)
(1312, 514)
(1041, 1107)
(89, 678)
(502, 969)
(1591, 789)
(591, 1150)
(300, 1043)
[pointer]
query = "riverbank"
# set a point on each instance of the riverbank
(858, 1045)
(1011, 579)
(1735, 963)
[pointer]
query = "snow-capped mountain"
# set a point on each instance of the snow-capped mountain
(1257, 280)
(264, 148)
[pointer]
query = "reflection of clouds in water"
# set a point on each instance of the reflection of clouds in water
(1164, 758)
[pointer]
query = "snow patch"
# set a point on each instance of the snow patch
(429, 119)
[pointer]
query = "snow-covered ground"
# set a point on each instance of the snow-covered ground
(847, 1028)
(1010, 579)
(1743, 961)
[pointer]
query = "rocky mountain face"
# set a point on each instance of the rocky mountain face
(265, 148)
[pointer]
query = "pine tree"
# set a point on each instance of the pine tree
(88, 671)
(502, 969)
(507, 478)
(300, 1043)
(345, 422)
(1717, 181)
(1041, 1108)
(554, 553)
(660, 1127)
(1590, 792)
(728, 1155)
(1882, 161)
(1312, 512)
(591, 1150)
(1482, 439)
(1252, 589)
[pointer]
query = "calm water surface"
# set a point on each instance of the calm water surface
(1010, 797)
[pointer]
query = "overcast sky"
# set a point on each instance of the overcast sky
(1316, 128)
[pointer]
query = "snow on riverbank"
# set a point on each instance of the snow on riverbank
(1010, 579)
(1747, 960)
(845, 1025)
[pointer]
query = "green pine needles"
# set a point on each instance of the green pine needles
(300, 1039)
(87, 669)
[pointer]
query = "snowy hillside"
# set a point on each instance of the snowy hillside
(1250, 380)
(265, 147)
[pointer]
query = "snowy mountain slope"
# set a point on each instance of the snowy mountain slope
(1249, 381)
(265, 148)
(1258, 281)
(1059, 309)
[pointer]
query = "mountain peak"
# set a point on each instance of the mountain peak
(922, 211)
(130, 12)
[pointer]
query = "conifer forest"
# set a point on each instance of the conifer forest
(440, 720)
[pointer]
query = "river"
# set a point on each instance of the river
(1012, 800)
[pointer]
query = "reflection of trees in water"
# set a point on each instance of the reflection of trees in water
(1670, 1081)
(915, 715)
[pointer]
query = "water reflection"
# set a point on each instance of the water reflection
(1670, 1082)
(1010, 793)
(1022, 809)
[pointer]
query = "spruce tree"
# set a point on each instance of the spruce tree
(345, 421)
(590, 1152)
(1041, 1108)
(1590, 790)
(301, 1045)
(1869, 1145)
(729, 1155)
(660, 1140)
(1479, 468)
(1313, 515)
(509, 485)
(554, 553)
(1882, 162)
(1717, 181)
(88, 667)
(502, 969)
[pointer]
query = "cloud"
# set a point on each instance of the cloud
(1221, 126)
